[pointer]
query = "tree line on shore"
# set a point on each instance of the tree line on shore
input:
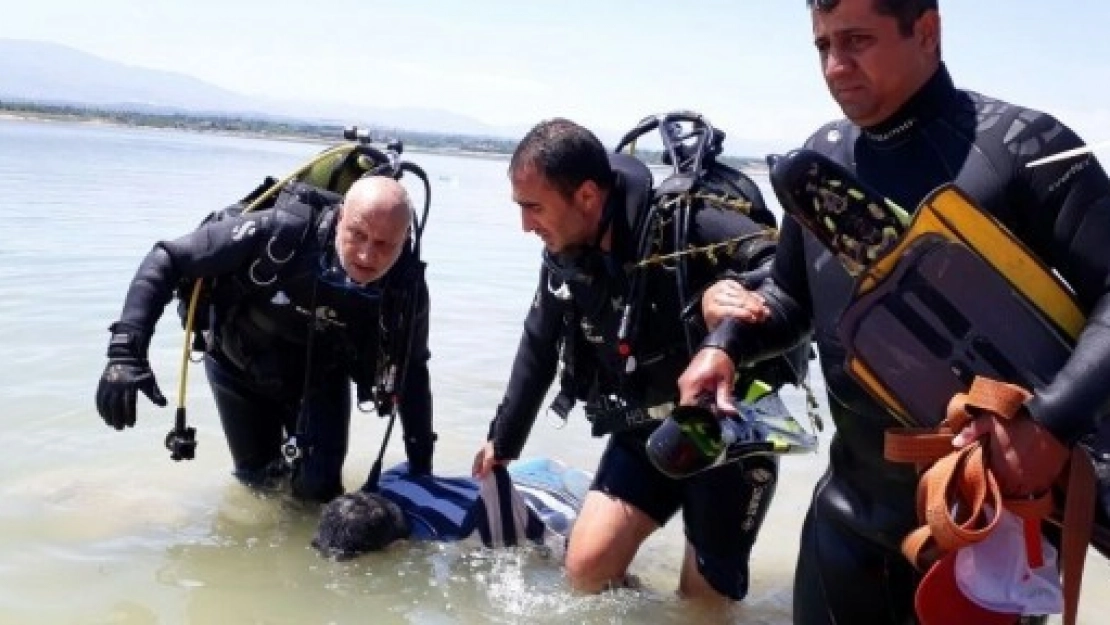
(276, 127)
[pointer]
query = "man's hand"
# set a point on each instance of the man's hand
(119, 387)
(711, 372)
(485, 460)
(727, 298)
(1025, 458)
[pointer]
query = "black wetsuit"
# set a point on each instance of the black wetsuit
(723, 508)
(259, 344)
(850, 569)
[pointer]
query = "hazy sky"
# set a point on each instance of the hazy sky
(749, 65)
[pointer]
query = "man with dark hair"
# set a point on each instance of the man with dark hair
(905, 12)
(589, 208)
(566, 154)
(909, 130)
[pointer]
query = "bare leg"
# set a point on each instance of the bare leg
(606, 536)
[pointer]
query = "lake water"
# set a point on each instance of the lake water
(99, 526)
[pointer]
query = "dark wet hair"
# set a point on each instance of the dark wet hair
(358, 523)
(565, 154)
(905, 11)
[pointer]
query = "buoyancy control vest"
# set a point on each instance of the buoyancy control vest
(654, 223)
(298, 211)
(320, 183)
(295, 211)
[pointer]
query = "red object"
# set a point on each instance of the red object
(940, 601)
(1033, 548)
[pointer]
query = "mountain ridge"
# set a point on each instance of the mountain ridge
(52, 73)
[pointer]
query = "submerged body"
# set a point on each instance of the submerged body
(534, 502)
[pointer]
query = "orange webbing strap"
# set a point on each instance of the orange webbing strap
(957, 490)
(956, 500)
(1081, 491)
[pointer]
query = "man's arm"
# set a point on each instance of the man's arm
(216, 248)
(1071, 200)
(533, 371)
(416, 396)
(1063, 214)
(785, 322)
(729, 289)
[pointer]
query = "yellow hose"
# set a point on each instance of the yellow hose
(194, 298)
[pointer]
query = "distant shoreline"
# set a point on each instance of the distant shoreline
(91, 120)
(416, 142)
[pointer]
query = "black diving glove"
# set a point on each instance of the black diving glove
(419, 452)
(127, 372)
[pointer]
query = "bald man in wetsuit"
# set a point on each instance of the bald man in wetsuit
(305, 296)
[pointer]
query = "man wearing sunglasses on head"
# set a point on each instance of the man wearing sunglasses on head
(305, 296)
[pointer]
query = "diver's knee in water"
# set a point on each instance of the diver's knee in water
(269, 478)
(307, 487)
(586, 575)
(586, 572)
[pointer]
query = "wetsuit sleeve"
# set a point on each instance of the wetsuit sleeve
(416, 397)
(533, 372)
(1066, 206)
(712, 225)
(749, 262)
(216, 248)
(787, 297)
